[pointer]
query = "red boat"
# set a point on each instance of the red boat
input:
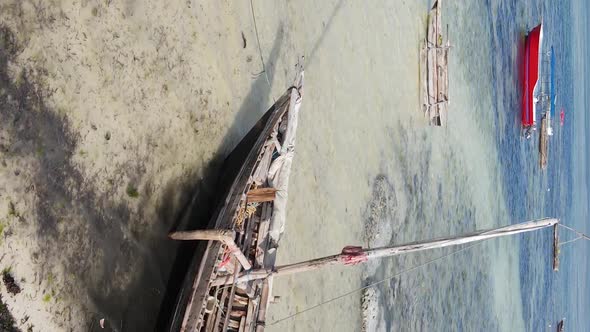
(531, 76)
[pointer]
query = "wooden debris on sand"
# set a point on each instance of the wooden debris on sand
(543, 143)
(434, 65)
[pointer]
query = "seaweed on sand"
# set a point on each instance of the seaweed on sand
(11, 285)
(7, 322)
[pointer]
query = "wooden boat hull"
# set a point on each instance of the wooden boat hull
(250, 217)
(533, 45)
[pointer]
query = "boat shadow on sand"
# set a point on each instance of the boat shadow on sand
(117, 260)
(194, 216)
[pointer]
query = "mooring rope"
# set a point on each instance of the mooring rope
(375, 283)
(570, 241)
(260, 49)
(580, 235)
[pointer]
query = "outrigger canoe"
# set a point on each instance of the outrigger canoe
(434, 69)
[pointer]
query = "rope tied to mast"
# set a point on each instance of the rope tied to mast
(352, 255)
(411, 269)
(580, 234)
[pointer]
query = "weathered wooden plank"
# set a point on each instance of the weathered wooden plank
(264, 301)
(233, 324)
(238, 313)
(214, 313)
(242, 325)
(248, 235)
(262, 240)
(199, 290)
(259, 195)
(230, 302)
(261, 174)
(252, 306)
(219, 313)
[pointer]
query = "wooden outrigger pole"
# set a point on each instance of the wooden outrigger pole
(555, 248)
(557, 244)
(354, 255)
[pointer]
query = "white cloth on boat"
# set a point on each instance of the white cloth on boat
(280, 169)
(279, 178)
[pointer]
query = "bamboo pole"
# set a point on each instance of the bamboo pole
(226, 236)
(352, 256)
(204, 234)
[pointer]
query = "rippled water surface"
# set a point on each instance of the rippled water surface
(368, 160)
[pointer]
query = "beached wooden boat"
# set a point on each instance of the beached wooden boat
(434, 65)
(544, 143)
(246, 228)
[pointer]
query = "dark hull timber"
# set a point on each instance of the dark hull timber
(242, 233)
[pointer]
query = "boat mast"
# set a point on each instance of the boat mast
(355, 255)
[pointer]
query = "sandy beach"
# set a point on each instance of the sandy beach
(115, 118)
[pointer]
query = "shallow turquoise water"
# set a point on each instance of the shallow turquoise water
(501, 284)
(378, 165)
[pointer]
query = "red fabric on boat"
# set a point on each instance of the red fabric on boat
(352, 255)
(531, 75)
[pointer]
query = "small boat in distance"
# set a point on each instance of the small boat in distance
(533, 44)
(562, 117)
(434, 69)
(560, 327)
